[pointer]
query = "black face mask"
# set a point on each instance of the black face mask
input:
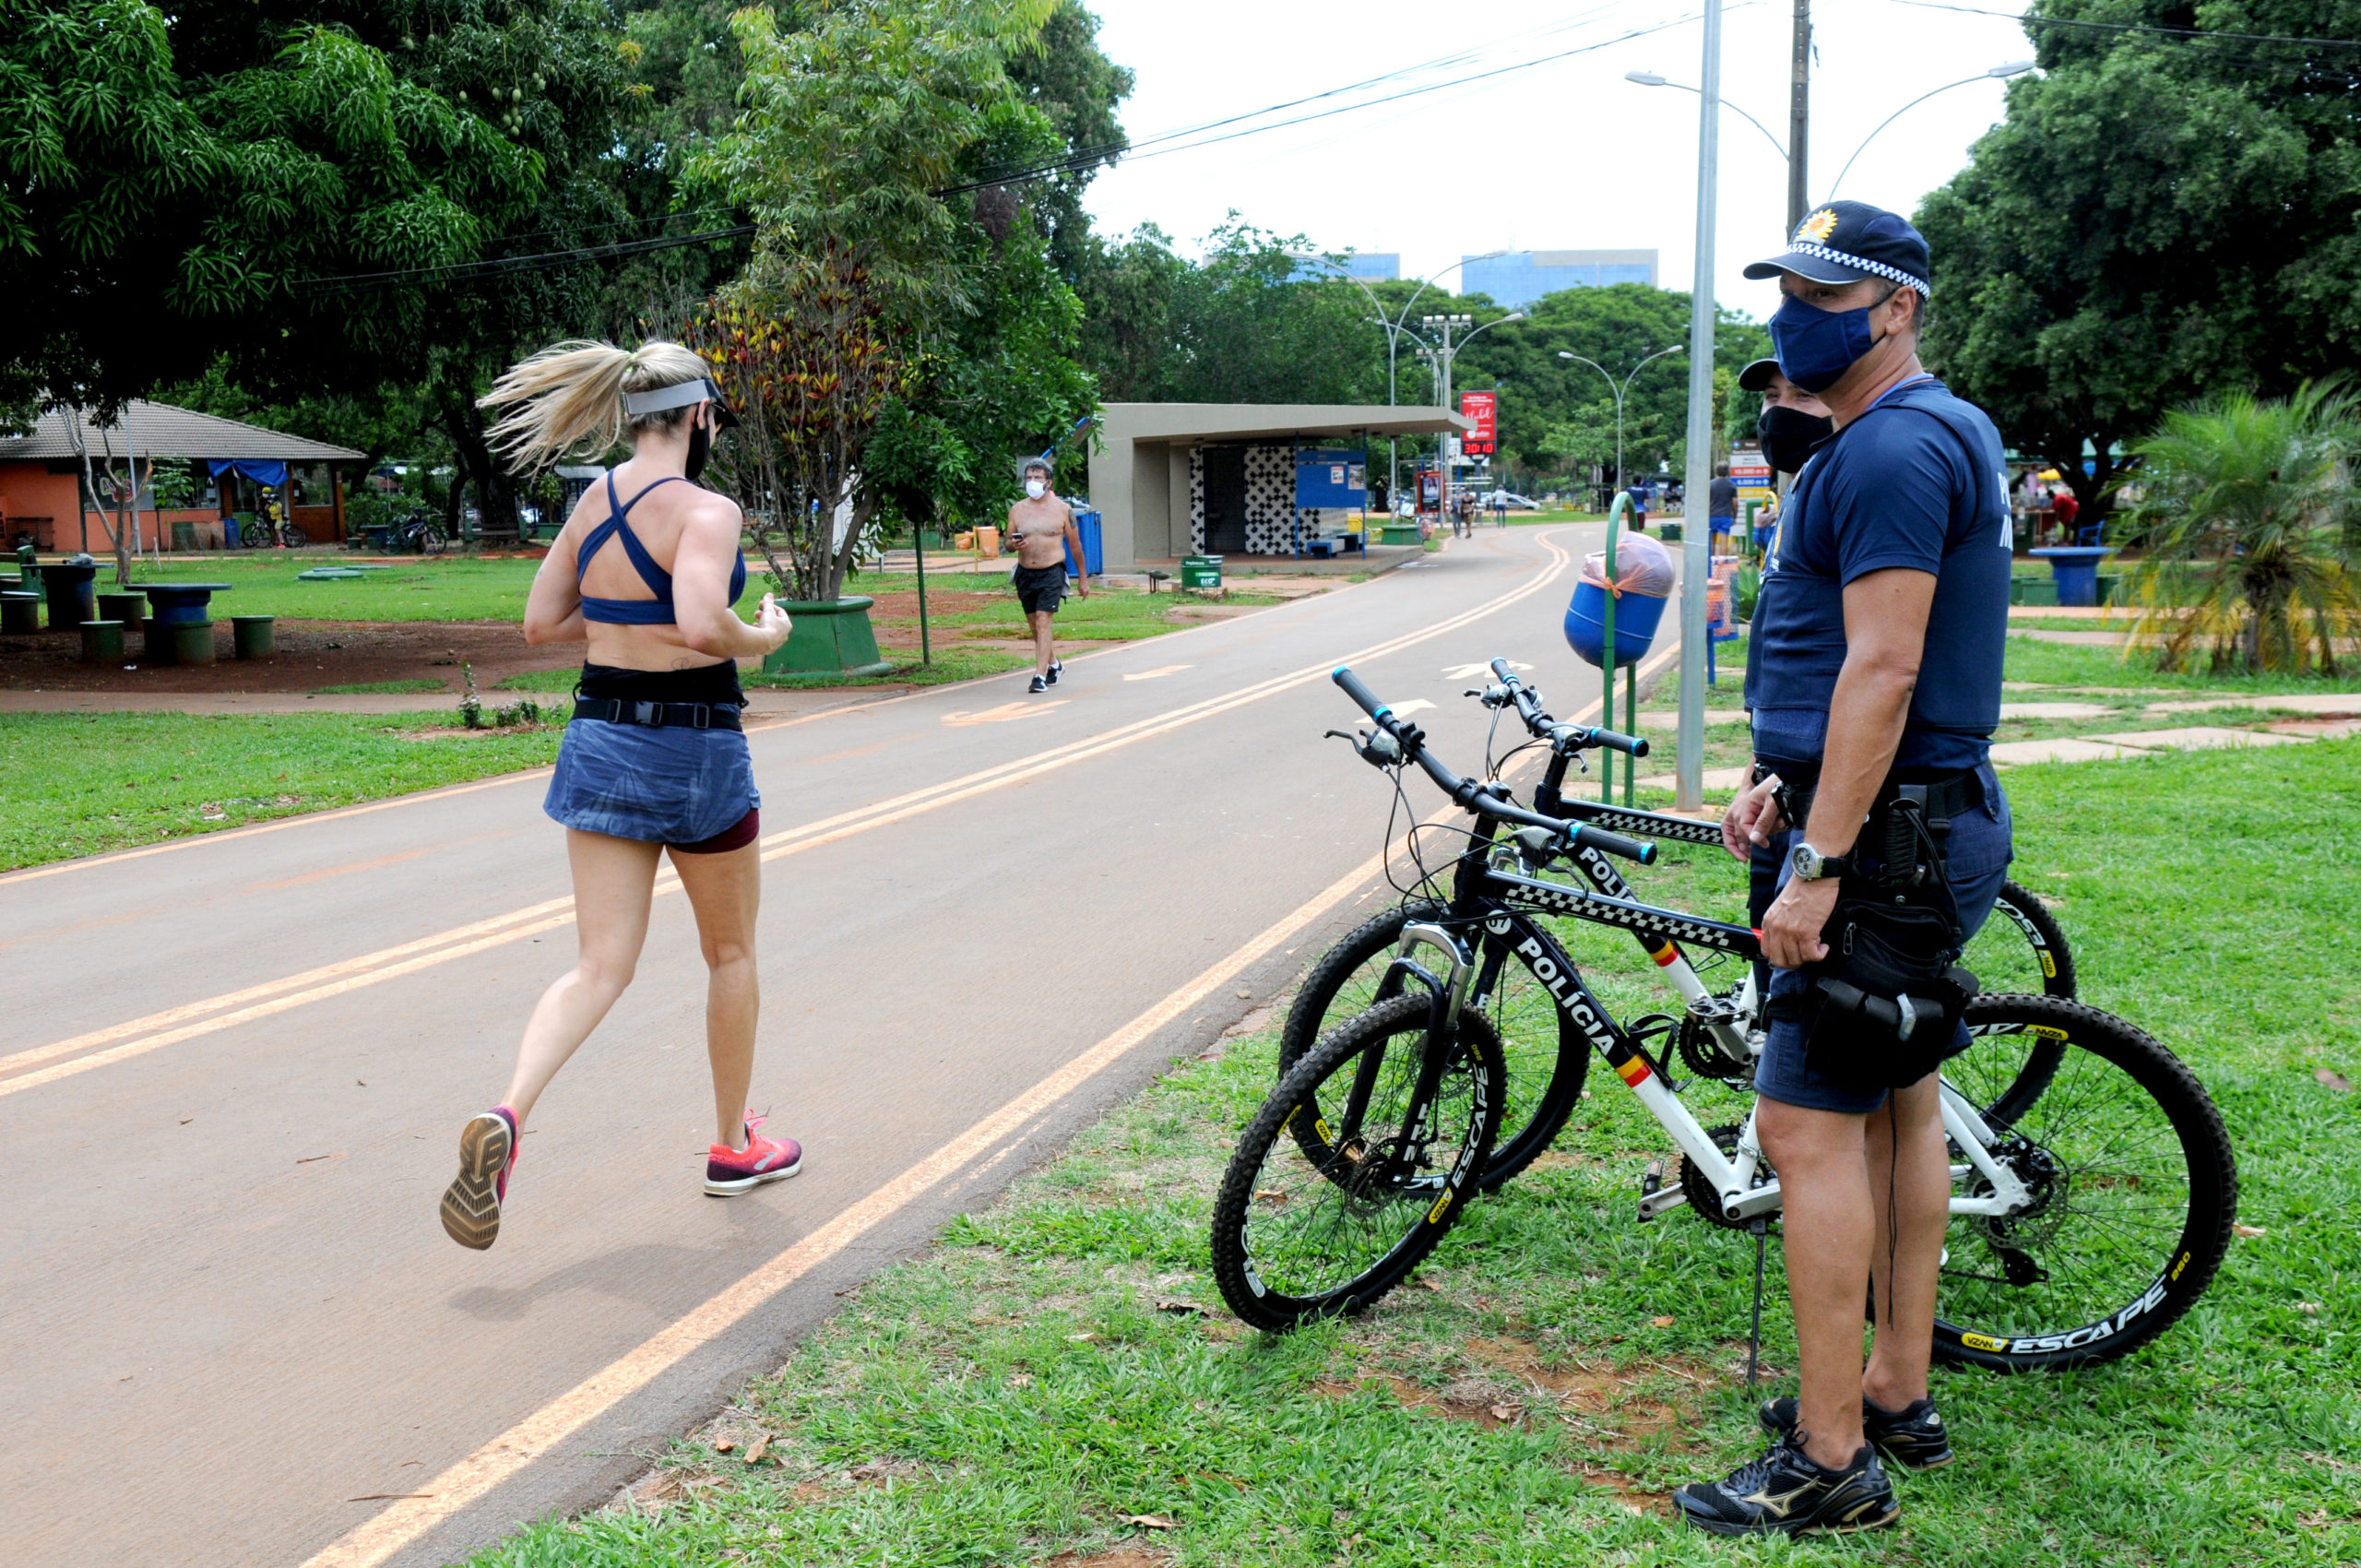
(700, 448)
(1788, 435)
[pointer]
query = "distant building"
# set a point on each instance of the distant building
(1373, 267)
(1520, 278)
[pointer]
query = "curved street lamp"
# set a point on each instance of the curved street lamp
(1649, 78)
(1395, 332)
(1619, 389)
(2013, 69)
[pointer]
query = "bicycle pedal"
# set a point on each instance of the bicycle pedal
(1651, 1184)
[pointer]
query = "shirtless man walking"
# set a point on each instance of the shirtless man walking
(1041, 527)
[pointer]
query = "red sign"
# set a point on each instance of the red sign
(1483, 408)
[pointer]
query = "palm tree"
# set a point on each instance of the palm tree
(2251, 502)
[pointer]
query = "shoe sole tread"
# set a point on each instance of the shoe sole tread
(470, 1205)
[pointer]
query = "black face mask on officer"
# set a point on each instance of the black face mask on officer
(700, 446)
(1788, 435)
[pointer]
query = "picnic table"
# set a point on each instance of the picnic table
(2075, 569)
(73, 596)
(176, 603)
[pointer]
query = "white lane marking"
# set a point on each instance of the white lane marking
(1416, 704)
(792, 840)
(1159, 674)
(1476, 672)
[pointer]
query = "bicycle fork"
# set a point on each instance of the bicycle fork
(1447, 993)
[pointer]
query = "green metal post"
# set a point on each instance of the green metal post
(926, 646)
(1607, 655)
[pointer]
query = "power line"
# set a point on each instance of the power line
(497, 267)
(2193, 33)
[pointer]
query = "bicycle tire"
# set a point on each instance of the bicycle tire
(1545, 1058)
(430, 541)
(293, 537)
(1284, 1250)
(2120, 1119)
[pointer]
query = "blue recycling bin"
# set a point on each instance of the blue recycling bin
(1636, 617)
(1093, 551)
(2075, 569)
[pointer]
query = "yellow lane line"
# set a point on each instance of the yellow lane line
(506, 1456)
(336, 979)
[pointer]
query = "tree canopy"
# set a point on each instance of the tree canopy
(2159, 217)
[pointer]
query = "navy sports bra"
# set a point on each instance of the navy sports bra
(657, 611)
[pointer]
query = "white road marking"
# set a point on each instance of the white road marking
(1006, 713)
(1159, 674)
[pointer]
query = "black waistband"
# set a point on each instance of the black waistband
(1947, 794)
(660, 715)
(711, 684)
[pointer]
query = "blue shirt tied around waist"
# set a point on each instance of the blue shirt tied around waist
(1915, 481)
(657, 611)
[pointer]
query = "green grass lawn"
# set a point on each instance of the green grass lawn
(80, 784)
(1043, 1380)
(397, 588)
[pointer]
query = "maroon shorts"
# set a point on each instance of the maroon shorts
(737, 836)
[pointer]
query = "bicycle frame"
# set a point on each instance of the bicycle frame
(1484, 892)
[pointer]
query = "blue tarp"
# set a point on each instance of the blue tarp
(273, 474)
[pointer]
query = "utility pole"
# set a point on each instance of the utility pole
(1799, 120)
(1696, 562)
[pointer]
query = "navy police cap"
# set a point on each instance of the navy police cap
(1843, 242)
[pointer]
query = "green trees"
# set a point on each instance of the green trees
(2158, 218)
(2253, 502)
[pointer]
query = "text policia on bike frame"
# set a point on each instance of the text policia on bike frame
(1546, 1055)
(2093, 1184)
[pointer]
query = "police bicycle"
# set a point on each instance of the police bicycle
(2088, 1210)
(1547, 1057)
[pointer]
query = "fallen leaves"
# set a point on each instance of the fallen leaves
(315, 1159)
(1151, 1521)
(1175, 1304)
(757, 1449)
(2327, 1078)
(723, 1446)
(1659, 1323)
(2248, 1230)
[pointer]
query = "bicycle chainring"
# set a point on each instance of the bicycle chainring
(1702, 1055)
(1702, 1194)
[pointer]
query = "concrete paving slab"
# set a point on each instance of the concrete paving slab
(2318, 729)
(2196, 738)
(2289, 701)
(2054, 710)
(1670, 720)
(2062, 749)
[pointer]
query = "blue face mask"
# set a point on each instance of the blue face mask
(1816, 347)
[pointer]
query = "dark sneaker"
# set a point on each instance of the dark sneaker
(1785, 1493)
(1057, 668)
(1913, 1437)
(487, 1154)
(1038, 684)
(729, 1171)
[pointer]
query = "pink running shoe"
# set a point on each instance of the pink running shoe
(487, 1154)
(729, 1171)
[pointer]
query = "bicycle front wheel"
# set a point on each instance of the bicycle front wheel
(1544, 1056)
(1342, 1182)
(2133, 1185)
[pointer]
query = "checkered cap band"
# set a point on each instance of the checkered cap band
(1802, 248)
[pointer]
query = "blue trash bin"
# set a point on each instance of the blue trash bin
(1636, 616)
(1093, 551)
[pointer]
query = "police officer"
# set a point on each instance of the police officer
(1874, 679)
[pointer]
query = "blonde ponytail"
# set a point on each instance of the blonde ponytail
(569, 397)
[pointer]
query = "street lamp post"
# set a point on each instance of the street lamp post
(1447, 351)
(1649, 78)
(1695, 559)
(1619, 391)
(2013, 69)
(1395, 332)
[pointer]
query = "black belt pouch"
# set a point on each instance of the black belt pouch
(1883, 1007)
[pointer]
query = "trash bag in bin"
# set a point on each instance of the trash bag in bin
(1643, 579)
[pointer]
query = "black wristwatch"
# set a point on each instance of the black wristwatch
(1809, 865)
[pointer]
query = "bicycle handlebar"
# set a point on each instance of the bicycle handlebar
(1472, 796)
(1570, 737)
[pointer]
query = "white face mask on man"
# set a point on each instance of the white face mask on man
(1035, 488)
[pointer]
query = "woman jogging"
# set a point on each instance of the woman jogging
(646, 570)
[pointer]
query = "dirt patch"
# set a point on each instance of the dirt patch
(312, 654)
(1125, 1556)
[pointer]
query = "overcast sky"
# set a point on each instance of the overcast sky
(1562, 156)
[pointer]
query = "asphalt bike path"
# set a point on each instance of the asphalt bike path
(233, 1070)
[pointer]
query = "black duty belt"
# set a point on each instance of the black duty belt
(1946, 798)
(658, 715)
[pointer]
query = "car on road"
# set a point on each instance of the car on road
(1510, 498)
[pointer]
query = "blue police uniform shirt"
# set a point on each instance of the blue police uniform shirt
(1917, 481)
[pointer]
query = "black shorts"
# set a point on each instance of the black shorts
(1039, 589)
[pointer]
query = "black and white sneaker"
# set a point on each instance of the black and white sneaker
(1057, 668)
(1785, 1493)
(1913, 1437)
(1038, 684)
